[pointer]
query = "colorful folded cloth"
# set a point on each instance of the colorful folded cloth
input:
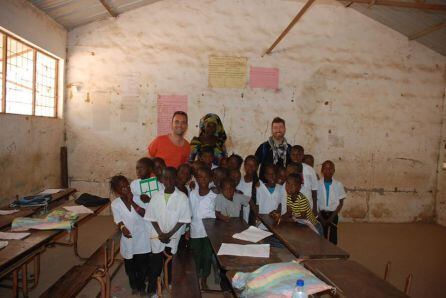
(55, 220)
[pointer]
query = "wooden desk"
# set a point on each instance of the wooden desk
(352, 279)
(56, 200)
(302, 241)
(221, 232)
(19, 253)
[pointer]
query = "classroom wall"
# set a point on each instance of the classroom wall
(351, 90)
(29, 146)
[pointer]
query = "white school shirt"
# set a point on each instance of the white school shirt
(337, 193)
(177, 210)
(310, 182)
(201, 207)
(246, 189)
(270, 201)
(139, 243)
(183, 227)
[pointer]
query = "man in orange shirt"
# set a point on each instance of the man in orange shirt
(173, 147)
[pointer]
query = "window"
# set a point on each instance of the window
(28, 79)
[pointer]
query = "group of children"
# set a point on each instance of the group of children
(155, 227)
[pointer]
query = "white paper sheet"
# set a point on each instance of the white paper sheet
(7, 212)
(13, 236)
(3, 244)
(50, 191)
(307, 223)
(78, 209)
(244, 250)
(252, 234)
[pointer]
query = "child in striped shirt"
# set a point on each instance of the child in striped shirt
(298, 206)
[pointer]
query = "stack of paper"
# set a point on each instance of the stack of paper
(79, 209)
(50, 191)
(13, 236)
(7, 212)
(247, 250)
(252, 234)
(3, 244)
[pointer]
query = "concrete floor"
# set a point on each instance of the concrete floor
(412, 248)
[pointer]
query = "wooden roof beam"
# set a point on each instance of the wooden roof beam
(401, 4)
(427, 31)
(290, 26)
(108, 8)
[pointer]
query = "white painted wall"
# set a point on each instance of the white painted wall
(351, 90)
(29, 146)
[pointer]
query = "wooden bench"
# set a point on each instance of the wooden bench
(184, 275)
(95, 267)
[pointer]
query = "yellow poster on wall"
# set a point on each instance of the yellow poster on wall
(227, 72)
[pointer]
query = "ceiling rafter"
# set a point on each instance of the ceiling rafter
(290, 26)
(108, 8)
(401, 4)
(427, 31)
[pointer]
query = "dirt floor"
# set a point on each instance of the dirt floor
(412, 248)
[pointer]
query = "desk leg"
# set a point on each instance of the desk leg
(15, 283)
(102, 277)
(107, 284)
(36, 271)
(75, 232)
(25, 280)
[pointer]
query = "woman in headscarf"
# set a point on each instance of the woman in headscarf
(212, 134)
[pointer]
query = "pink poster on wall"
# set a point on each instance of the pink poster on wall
(264, 77)
(167, 105)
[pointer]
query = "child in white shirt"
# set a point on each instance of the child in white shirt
(144, 170)
(310, 185)
(135, 244)
(168, 211)
(330, 196)
(202, 202)
(270, 196)
(251, 167)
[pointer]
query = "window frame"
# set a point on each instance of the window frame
(3, 92)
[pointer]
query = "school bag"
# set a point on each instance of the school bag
(31, 201)
(89, 200)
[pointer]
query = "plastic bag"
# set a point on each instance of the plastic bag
(277, 280)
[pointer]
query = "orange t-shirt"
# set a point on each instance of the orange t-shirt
(172, 154)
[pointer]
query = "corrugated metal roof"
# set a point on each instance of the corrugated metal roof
(409, 21)
(73, 13)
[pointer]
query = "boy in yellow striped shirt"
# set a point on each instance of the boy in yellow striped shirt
(298, 206)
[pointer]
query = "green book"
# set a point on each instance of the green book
(149, 186)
